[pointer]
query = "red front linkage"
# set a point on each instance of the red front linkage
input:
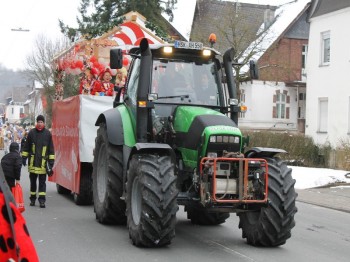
(241, 196)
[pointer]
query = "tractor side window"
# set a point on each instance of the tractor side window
(132, 85)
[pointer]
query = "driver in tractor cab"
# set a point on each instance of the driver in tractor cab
(170, 80)
(206, 92)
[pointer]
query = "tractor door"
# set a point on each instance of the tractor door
(130, 98)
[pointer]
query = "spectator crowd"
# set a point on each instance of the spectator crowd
(12, 133)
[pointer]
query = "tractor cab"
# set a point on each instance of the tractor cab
(176, 75)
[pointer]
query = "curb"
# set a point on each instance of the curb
(327, 197)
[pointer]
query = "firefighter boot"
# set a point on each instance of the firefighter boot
(32, 202)
(42, 204)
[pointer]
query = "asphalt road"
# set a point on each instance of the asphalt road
(66, 232)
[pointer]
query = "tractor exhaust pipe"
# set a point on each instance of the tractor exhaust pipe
(142, 114)
(228, 57)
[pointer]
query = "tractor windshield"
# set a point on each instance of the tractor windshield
(178, 81)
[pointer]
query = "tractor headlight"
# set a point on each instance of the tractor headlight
(212, 139)
(234, 139)
(206, 52)
(224, 139)
(168, 49)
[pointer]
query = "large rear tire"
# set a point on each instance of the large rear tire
(271, 226)
(107, 180)
(200, 216)
(151, 200)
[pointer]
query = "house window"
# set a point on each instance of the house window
(281, 108)
(21, 110)
(325, 48)
(281, 105)
(303, 62)
(302, 96)
(322, 115)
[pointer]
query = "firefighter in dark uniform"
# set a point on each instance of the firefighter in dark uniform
(40, 152)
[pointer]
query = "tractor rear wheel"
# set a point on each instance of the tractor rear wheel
(107, 180)
(200, 216)
(271, 225)
(151, 200)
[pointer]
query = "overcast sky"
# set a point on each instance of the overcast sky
(41, 17)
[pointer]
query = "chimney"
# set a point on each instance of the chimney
(269, 17)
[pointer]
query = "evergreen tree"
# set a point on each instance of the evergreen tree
(99, 16)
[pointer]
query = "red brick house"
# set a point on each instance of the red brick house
(277, 100)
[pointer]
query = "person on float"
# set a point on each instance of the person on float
(104, 87)
(87, 81)
(120, 81)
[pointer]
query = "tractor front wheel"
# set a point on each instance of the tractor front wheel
(151, 200)
(271, 226)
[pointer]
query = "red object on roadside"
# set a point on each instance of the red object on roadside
(18, 195)
(27, 250)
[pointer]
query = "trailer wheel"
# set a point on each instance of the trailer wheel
(151, 200)
(85, 188)
(200, 216)
(107, 180)
(62, 190)
(271, 226)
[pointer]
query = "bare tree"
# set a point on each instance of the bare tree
(247, 37)
(40, 67)
(244, 27)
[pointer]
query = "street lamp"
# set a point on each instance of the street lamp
(20, 29)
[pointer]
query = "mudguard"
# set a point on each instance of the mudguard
(153, 147)
(114, 123)
(263, 152)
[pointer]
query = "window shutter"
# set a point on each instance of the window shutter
(288, 99)
(274, 98)
(274, 112)
(287, 112)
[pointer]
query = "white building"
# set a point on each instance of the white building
(277, 101)
(267, 112)
(328, 66)
(14, 112)
(33, 106)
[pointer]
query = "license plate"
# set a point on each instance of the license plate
(188, 45)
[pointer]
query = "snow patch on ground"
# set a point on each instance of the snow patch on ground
(308, 177)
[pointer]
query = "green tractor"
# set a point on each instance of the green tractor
(174, 140)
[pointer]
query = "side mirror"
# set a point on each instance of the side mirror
(116, 58)
(253, 70)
